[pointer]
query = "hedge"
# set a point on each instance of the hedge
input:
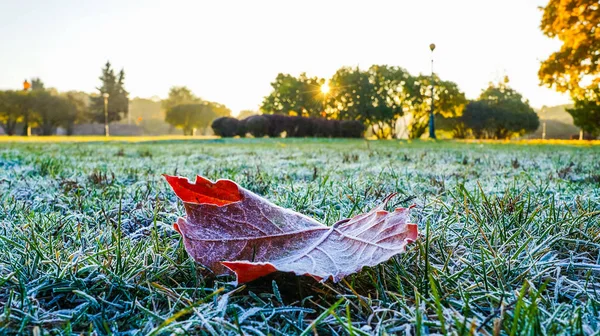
(275, 125)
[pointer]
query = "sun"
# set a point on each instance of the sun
(325, 88)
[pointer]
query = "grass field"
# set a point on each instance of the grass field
(510, 238)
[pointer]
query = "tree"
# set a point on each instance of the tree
(449, 102)
(77, 110)
(189, 117)
(12, 107)
(118, 100)
(295, 96)
(29, 120)
(575, 68)
(37, 84)
(49, 111)
(586, 112)
(179, 95)
(500, 113)
(376, 97)
(350, 94)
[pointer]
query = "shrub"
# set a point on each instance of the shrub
(257, 125)
(226, 127)
(242, 130)
(277, 124)
(300, 127)
(352, 129)
(326, 128)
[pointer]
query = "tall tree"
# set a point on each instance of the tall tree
(575, 68)
(295, 96)
(118, 100)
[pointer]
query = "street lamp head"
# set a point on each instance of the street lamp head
(105, 95)
(432, 47)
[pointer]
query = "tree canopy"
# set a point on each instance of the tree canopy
(189, 117)
(586, 112)
(449, 102)
(179, 95)
(295, 96)
(499, 113)
(118, 100)
(575, 68)
(376, 97)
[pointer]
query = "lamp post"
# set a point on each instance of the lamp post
(106, 95)
(431, 116)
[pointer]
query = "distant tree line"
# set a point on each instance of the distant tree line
(40, 108)
(46, 109)
(381, 95)
(274, 125)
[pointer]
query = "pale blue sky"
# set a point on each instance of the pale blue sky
(229, 51)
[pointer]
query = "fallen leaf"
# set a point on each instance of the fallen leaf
(228, 228)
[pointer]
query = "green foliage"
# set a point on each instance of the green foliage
(118, 100)
(179, 95)
(13, 106)
(295, 95)
(499, 113)
(449, 102)
(41, 108)
(50, 111)
(586, 112)
(186, 111)
(77, 110)
(190, 117)
(376, 97)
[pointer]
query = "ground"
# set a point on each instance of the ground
(509, 238)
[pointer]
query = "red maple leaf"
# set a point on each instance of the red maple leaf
(230, 228)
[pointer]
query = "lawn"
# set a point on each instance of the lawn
(510, 238)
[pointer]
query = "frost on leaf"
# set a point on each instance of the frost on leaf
(228, 228)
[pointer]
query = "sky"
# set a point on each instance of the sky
(230, 51)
